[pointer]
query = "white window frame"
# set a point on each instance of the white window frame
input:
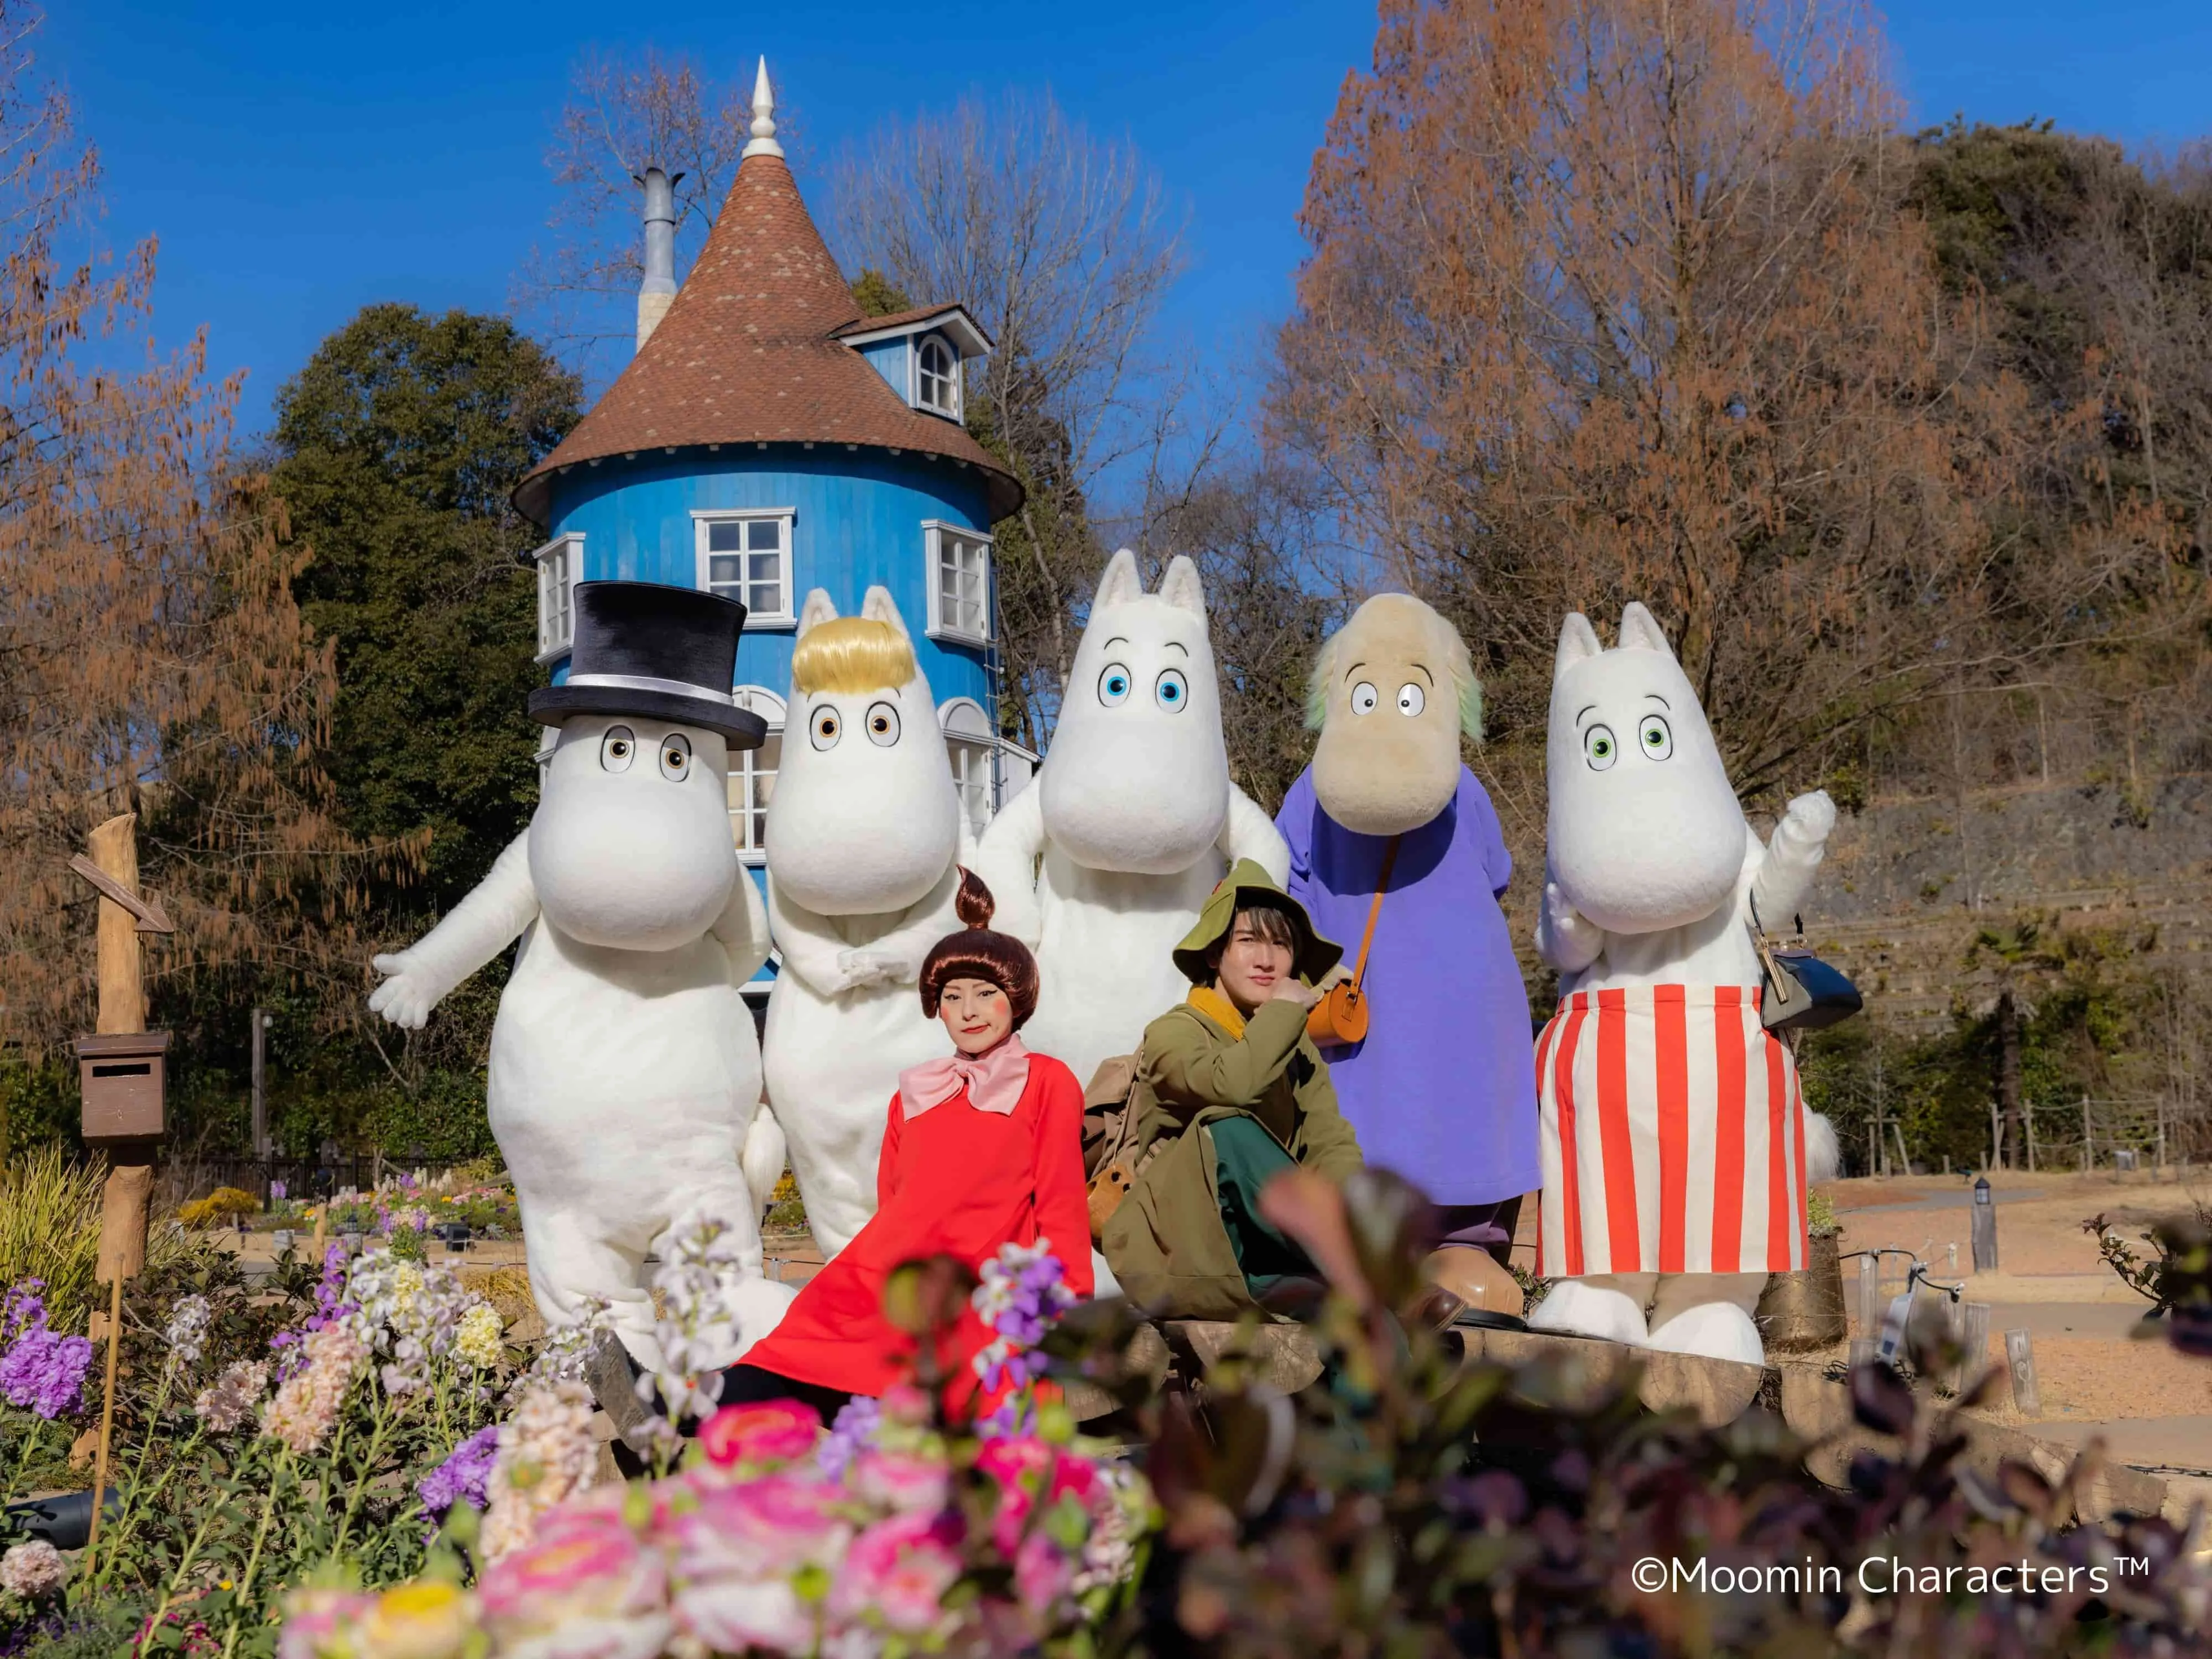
(787, 615)
(559, 562)
(759, 700)
(978, 748)
(915, 347)
(935, 531)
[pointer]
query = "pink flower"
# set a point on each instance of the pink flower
(903, 1402)
(897, 1572)
(1042, 1573)
(763, 1528)
(313, 1619)
(1028, 1471)
(773, 1432)
(587, 1591)
(905, 1481)
(734, 1615)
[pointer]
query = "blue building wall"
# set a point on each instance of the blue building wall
(888, 358)
(857, 519)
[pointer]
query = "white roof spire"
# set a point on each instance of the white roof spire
(764, 139)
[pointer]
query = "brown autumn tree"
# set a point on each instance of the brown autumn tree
(1615, 299)
(151, 659)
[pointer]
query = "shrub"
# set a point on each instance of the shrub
(49, 1230)
(223, 1204)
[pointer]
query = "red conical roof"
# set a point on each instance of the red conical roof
(745, 355)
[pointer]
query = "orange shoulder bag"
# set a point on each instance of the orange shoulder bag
(1341, 1017)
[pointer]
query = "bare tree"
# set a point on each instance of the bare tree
(623, 115)
(1614, 299)
(1064, 247)
(151, 657)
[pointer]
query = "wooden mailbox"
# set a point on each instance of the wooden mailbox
(124, 1075)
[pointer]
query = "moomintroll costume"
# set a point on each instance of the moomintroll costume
(625, 1072)
(1677, 1150)
(1101, 863)
(864, 842)
(1440, 1089)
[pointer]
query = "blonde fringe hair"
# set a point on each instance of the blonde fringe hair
(847, 655)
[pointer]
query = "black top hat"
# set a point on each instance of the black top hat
(664, 653)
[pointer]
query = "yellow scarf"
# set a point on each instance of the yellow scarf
(1218, 1009)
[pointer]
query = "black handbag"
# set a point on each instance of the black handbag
(1802, 993)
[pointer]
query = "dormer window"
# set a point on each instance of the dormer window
(937, 377)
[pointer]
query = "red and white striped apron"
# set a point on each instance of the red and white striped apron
(1673, 1135)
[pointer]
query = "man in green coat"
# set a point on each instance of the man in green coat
(1230, 1092)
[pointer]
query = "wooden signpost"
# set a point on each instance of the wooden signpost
(123, 1068)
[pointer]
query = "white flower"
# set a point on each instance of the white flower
(187, 1330)
(228, 1403)
(698, 1329)
(32, 1571)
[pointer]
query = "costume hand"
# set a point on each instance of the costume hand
(1813, 814)
(1337, 975)
(409, 992)
(1291, 989)
(860, 970)
(1568, 925)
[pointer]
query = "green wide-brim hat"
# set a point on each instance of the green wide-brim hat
(1244, 888)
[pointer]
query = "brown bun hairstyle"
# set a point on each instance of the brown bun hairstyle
(976, 953)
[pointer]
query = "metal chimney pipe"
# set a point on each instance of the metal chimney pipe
(657, 291)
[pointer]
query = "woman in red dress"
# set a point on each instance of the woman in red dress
(983, 1149)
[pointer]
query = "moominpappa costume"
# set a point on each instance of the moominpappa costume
(864, 842)
(1676, 1147)
(1102, 863)
(625, 1071)
(1440, 1090)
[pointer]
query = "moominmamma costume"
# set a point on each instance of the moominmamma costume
(625, 1071)
(1441, 1089)
(1102, 863)
(865, 841)
(1677, 1150)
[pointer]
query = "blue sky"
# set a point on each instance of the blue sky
(299, 161)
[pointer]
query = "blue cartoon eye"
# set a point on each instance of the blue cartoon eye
(1170, 690)
(1113, 684)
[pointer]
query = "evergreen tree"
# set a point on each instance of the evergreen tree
(397, 446)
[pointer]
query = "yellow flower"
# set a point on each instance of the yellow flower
(406, 1286)
(429, 1619)
(476, 1340)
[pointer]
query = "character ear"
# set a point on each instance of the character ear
(1578, 643)
(880, 606)
(817, 610)
(1640, 630)
(1120, 582)
(1181, 588)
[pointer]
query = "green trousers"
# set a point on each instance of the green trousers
(1245, 1158)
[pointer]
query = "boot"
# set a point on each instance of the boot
(1473, 1277)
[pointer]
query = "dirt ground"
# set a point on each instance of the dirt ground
(2098, 1378)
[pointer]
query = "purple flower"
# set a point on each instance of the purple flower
(329, 1304)
(461, 1478)
(40, 1369)
(276, 1192)
(853, 1432)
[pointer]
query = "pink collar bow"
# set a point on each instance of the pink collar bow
(994, 1081)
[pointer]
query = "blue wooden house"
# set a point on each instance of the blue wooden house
(768, 439)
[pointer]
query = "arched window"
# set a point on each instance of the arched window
(752, 775)
(937, 372)
(969, 743)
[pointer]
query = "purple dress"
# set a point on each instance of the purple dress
(1443, 1089)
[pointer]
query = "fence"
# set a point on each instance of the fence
(303, 1178)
